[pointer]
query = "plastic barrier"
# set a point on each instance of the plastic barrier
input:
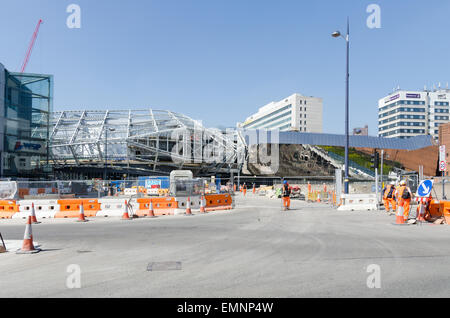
(70, 208)
(437, 208)
(112, 207)
(352, 202)
(130, 191)
(23, 192)
(182, 202)
(43, 208)
(218, 202)
(8, 208)
(154, 191)
(161, 206)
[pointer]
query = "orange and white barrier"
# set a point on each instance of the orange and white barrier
(141, 207)
(44, 209)
(218, 202)
(70, 208)
(8, 208)
(196, 202)
(113, 207)
(354, 202)
(161, 206)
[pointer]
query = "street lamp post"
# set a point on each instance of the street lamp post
(105, 172)
(347, 76)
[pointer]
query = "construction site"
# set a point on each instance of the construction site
(151, 203)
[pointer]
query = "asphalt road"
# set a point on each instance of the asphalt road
(255, 250)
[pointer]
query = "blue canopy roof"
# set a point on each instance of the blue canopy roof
(300, 138)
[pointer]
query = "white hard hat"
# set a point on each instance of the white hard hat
(403, 182)
(392, 183)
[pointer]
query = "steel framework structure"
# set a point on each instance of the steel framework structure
(152, 140)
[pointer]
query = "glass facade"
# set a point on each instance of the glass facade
(28, 102)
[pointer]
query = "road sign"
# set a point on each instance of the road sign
(442, 166)
(424, 188)
(442, 153)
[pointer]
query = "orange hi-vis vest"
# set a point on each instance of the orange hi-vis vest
(400, 192)
(389, 188)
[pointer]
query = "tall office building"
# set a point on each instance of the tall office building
(293, 113)
(26, 101)
(405, 114)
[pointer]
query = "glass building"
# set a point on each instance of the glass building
(26, 101)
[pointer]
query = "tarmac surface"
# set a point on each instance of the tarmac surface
(255, 250)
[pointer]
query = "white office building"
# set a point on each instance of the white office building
(293, 113)
(405, 114)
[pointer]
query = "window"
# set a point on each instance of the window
(268, 117)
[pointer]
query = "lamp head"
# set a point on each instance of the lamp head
(336, 34)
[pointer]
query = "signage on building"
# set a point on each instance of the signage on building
(390, 99)
(28, 146)
(412, 95)
(442, 96)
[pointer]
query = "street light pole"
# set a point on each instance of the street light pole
(106, 155)
(347, 77)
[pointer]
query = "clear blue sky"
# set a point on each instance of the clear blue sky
(219, 60)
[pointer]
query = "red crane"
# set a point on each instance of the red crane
(30, 47)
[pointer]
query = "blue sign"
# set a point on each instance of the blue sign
(424, 188)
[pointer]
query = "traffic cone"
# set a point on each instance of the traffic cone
(399, 215)
(202, 204)
(420, 212)
(254, 189)
(81, 215)
(28, 247)
(318, 196)
(151, 212)
(125, 215)
(188, 207)
(33, 215)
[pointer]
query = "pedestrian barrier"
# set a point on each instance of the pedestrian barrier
(111, 207)
(43, 208)
(352, 202)
(70, 208)
(436, 208)
(161, 206)
(130, 191)
(8, 208)
(195, 202)
(218, 202)
(23, 192)
(153, 191)
(447, 215)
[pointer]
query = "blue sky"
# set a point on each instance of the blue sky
(219, 60)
